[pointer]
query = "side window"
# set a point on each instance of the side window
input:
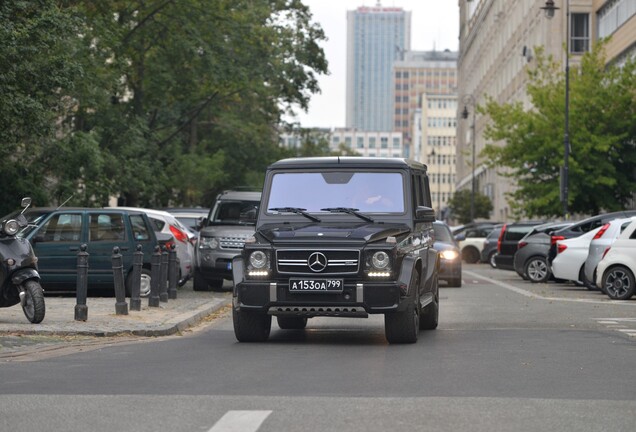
(417, 192)
(426, 190)
(157, 224)
(141, 231)
(62, 227)
(106, 227)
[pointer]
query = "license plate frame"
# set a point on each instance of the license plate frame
(316, 285)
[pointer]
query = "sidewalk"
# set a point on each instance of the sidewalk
(170, 317)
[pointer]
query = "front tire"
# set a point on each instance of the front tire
(618, 283)
(199, 283)
(537, 269)
(251, 326)
(403, 327)
(34, 308)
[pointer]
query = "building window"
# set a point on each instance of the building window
(613, 15)
(580, 33)
(348, 141)
(384, 142)
(396, 143)
(372, 143)
(360, 141)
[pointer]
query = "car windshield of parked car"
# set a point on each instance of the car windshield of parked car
(372, 192)
(442, 234)
(229, 212)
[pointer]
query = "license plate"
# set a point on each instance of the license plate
(316, 285)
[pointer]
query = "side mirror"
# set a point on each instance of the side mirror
(424, 214)
(460, 237)
(26, 201)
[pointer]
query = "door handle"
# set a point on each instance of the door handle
(125, 248)
(73, 248)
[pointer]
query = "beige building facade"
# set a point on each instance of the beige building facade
(498, 39)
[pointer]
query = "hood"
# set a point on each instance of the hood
(235, 231)
(367, 232)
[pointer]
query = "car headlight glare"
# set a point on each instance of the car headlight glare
(11, 227)
(449, 255)
(208, 243)
(380, 260)
(258, 259)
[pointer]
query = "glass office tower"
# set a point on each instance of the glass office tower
(376, 37)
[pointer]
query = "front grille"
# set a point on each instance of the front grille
(232, 242)
(338, 261)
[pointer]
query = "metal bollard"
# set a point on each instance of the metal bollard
(163, 295)
(155, 276)
(121, 307)
(81, 310)
(173, 272)
(135, 279)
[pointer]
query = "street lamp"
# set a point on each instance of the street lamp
(469, 99)
(549, 10)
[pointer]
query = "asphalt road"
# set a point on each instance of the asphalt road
(508, 355)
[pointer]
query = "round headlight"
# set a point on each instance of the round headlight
(258, 259)
(11, 227)
(380, 260)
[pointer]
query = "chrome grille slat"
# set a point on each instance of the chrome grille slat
(339, 261)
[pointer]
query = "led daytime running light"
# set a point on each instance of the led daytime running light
(379, 274)
(258, 273)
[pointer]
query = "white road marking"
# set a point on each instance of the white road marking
(540, 297)
(240, 421)
(607, 322)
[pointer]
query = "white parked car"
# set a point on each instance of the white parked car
(166, 223)
(615, 273)
(600, 244)
(571, 255)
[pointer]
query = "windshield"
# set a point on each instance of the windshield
(442, 234)
(373, 192)
(229, 212)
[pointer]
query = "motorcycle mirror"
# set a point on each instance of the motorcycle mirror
(26, 201)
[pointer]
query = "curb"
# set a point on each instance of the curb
(173, 326)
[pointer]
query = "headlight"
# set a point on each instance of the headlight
(258, 259)
(449, 255)
(380, 260)
(208, 243)
(11, 227)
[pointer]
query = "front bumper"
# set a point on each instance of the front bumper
(357, 299)
(215, 263)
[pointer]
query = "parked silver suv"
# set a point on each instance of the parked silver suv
(230, 222)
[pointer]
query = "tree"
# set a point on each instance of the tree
(528, 143)
(193, 81)
(460, 206)
(38, 69)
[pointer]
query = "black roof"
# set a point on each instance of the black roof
(346, 162)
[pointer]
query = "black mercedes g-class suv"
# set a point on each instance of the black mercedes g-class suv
(344, 237)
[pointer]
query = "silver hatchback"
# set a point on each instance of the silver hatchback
(600, 244)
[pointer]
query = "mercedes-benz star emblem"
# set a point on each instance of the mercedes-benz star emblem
(317, 262)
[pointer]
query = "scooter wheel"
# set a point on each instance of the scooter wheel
(34, 305)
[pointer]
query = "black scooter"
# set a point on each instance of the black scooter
(19, 278)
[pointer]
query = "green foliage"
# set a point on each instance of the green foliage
(528, 143)
(460, 206)
(159, 102)
(37, 71)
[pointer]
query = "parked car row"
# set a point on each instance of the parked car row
(598, 252)
(56, 235)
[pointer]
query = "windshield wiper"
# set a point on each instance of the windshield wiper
(296, 210)
(349, 210)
